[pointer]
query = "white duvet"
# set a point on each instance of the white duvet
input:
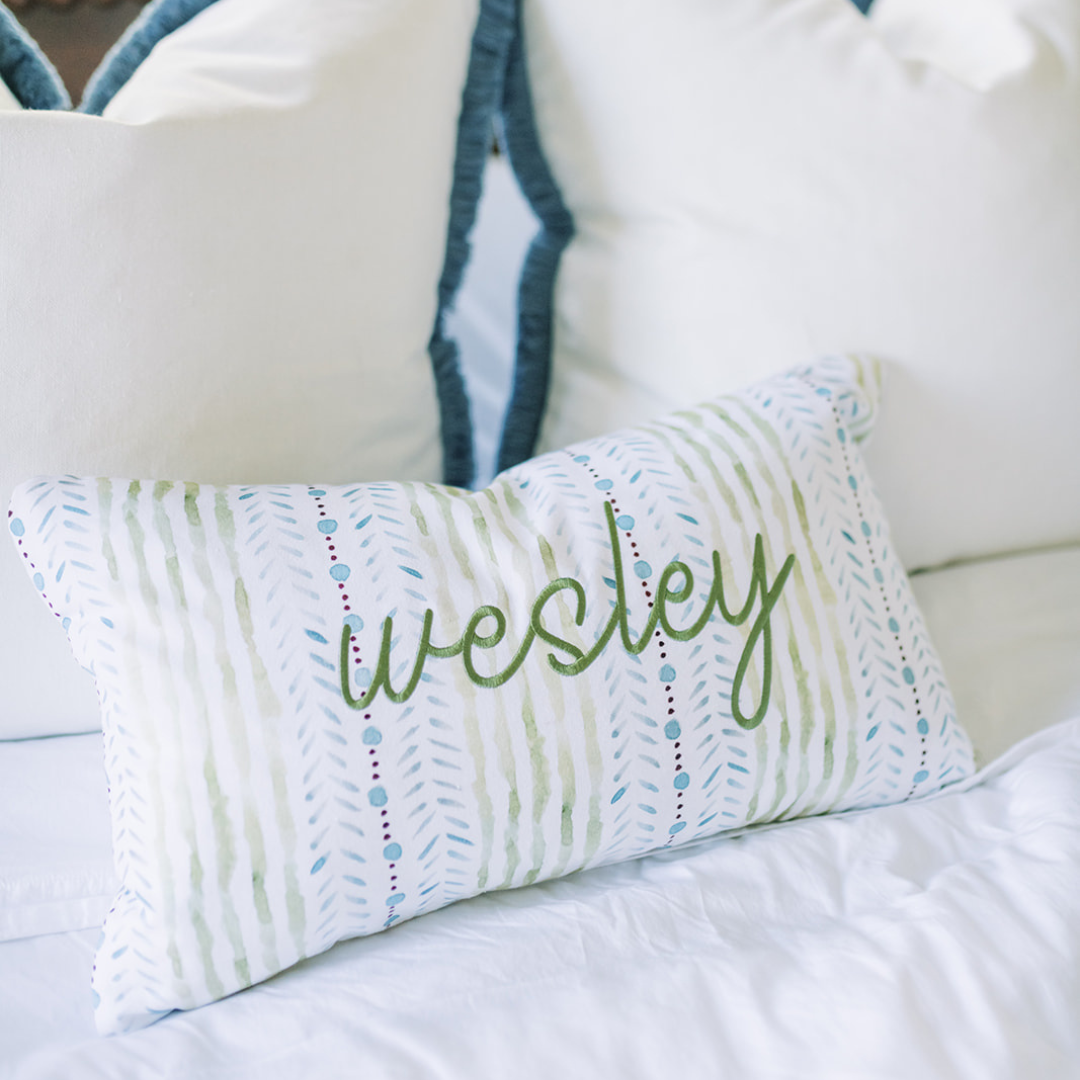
(935, 939)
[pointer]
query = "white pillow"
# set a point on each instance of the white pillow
(1008, 633)
(56, 865)
(978, 42)
(233, 274)
(755, 179)
(7, 99)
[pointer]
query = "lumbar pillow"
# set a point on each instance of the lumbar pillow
(331, 708)
(240, 270)
(735, 184)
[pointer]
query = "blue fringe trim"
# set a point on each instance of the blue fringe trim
(157, 20)
(479, 104)
(26, 70)
(532, 368)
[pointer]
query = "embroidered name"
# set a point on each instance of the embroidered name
(675, 586)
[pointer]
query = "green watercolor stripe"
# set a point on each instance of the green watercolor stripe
(564, 754)
(847, 687)
(662, 432)
(706, 505)
(473, 738)
(806, 715)
(541, 783)
(801, 695)
(867, 374)
(504, 743)
(524, 571)
(136, 542)
(809, 618)
(224, 835)
(594, 826)
(235, 722)
(828, 610)
(811, 612)
(191, 678)
(675, 438)
(851, 767)
(586, 707)
(269, 709)
(783, 742)
(149, 734)
(534, 740)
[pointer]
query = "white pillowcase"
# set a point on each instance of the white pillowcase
(56, 862)
(978, 42)
(1008, 634)
(231, 275)
(7, 99)
(757, 180)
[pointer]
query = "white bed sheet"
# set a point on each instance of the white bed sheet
(927, 940)
(56, 868)
(932, 940)
(1008, 633)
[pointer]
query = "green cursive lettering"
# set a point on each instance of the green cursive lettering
(667, 595)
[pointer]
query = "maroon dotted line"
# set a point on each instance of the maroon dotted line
(663, 644)
(384, 814)
(332, 547)
(26, 556)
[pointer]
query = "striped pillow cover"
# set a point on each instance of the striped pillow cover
(329, 709)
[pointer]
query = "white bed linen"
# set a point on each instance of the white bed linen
(56, 866)
(1008, 634)
(932, 940)
(929, 940)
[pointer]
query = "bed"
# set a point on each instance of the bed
(936, 936)
(936, 939)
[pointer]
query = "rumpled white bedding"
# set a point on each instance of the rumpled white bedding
(934, 939)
